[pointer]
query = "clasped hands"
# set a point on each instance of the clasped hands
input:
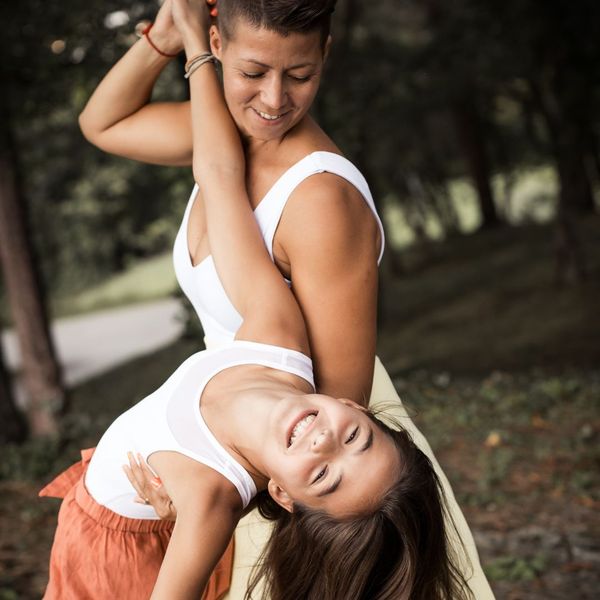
(180, 24)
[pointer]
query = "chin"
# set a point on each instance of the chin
(250, 130)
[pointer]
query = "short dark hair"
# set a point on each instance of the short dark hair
(401, 551)
(281, 16)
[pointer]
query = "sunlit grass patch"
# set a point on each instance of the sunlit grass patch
(527, 196)
(151, 279)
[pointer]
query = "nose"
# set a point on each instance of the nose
(273, 93)
(323, 441)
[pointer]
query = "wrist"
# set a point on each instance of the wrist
(195, 42)
(160, 42)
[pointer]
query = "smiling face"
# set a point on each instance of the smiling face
(269, 80)
(328, 454)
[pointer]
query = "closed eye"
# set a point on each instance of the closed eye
(352, 436)
(301, 79)
(320, 475)
(252, 75)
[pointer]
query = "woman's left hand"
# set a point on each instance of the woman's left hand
(149, 488)
(192, 18)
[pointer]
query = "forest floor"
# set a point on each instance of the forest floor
(501, 370)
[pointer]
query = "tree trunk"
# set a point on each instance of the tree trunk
(471, 139)
(562, 99)
(564, 114)
(12, 424)
(40, 370)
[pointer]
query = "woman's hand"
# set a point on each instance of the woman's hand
(192, 19)
(149, 488)
(164, 32)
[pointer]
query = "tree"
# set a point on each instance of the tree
(41, 372)
(12, 424)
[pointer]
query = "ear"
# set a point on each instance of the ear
(327, 48)
(280, 496)
(353, 404)
(216, 41)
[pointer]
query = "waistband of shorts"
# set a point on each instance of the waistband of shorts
(111, 520)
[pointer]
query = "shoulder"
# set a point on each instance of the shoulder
(328, 213)
(189, 482)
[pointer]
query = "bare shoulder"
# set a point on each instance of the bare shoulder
(189, 481)
(328, 210)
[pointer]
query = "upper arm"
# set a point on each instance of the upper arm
(332, 242)
(205, 522)
(158, 133)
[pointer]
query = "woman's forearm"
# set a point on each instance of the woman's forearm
(216, 141)
(125, 89)
(119, 117)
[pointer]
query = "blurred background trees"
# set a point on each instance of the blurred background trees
(443, 105)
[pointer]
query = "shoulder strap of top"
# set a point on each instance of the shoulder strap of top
(268, 212)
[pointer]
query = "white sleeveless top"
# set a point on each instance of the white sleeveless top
(201, 284)
(170, 419)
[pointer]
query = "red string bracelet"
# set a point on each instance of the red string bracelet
(146, 34)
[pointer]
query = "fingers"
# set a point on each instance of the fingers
(149, 488)
(139, 475)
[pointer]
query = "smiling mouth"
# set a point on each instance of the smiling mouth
(267, 116)
(300, 427)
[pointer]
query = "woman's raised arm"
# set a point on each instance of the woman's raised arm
(251, 280)
(119, 118)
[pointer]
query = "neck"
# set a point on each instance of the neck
(247, 422)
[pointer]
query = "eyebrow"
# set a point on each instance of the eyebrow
(336, 484)
(299, 66)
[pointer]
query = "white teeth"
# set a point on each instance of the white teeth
(301, 426)
(267, 116)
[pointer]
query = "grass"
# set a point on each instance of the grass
(489, 301)
(151, 279)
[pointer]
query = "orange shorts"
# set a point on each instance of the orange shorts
(100, 555)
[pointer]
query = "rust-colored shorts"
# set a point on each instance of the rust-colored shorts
(100, 555)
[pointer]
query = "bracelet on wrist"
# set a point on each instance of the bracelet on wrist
(197, 61)
(146, 34)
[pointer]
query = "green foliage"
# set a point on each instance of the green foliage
(396, 73)
(513, 568)
(30, 461)
(91, 214)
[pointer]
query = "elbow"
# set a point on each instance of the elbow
(86, 125)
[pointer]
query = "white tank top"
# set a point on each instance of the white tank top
(170, 419)
(220, 320)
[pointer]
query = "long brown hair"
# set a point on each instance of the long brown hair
(401, 551)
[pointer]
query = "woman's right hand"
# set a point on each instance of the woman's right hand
(164, 32)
